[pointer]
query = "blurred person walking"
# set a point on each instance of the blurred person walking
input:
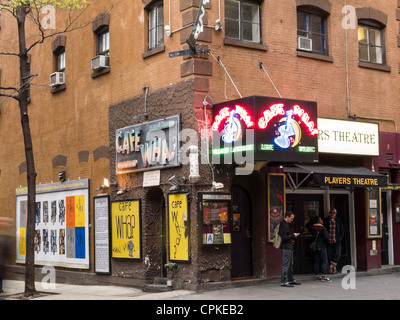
(5, 243)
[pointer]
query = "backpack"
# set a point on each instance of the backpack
(276, 241)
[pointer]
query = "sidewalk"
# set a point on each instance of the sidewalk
(381, 284)
(60, 291)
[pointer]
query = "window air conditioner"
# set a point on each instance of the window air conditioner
(57, 79)
(100, 62)
(304, 44)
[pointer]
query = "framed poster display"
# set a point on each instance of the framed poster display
(178, 227)
(214, 211)
(276, 201)
(61, 236)
(374, 219)
(102, 249)
(126, 229)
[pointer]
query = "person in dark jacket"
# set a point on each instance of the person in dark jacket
(4, 247)
(287, 279)
(335, 229)
(320, 237)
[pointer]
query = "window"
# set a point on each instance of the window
(312, 32)
(103, 41)
(156, 25)
(60, 59)
(370, 44)
(242, 20)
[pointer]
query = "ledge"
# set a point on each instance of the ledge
(58, 88)
(374, 66)
(315, 56)
(153, 52)
(246, 44)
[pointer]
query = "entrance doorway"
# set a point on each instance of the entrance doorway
(157, 235)
(306, 206)
(341, 203)
(385, 230)
(241, 234)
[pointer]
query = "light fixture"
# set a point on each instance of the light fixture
(61, 176)
(218, 25)
(106, 184)
(194, 164)
(122, 191)
(217, 185)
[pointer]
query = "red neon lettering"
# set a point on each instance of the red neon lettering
(223, 114)
(305, 117)
(273, 111)
(244, 116)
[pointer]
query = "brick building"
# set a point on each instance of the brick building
(348, 64)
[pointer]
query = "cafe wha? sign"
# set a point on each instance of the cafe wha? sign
(148, 146)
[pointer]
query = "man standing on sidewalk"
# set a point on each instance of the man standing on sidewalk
(335, 228)
(287, 279)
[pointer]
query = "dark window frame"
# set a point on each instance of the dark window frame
(241, 21)
(311, 34)
(369, 26)
(158, 28)
(102, 32)
(59, 53)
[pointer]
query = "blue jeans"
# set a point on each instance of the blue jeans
(320, 261)
(287, 266)
(334, 252)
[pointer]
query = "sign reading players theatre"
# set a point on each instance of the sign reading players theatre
(348, 137)
(147, 146)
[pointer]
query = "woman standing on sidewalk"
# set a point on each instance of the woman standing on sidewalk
(320, 237)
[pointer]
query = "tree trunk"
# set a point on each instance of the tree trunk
(31, 173)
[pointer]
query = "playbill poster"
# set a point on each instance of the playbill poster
(61, 236)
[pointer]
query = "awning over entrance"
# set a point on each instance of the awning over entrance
(345, 176)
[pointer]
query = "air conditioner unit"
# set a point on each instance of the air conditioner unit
(57, 79)
(304, 44)
(100, 62)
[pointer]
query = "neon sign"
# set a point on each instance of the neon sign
(225, 113)
(283, 129)
(273, 111)
(278, 109)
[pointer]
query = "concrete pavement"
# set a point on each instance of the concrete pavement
(379, 286)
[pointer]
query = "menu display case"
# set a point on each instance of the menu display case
(215, 217)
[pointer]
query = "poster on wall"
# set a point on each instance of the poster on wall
(374, 221)
(276, 201)
(179, 230)
(126, 229)
(61, 236)
(102, 249)
(215, 218)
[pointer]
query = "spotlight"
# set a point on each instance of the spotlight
(120, 192)
(61, 176)
(106, 184)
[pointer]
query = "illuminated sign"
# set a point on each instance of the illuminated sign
(282, 129)
(348, 137)
(147, 146)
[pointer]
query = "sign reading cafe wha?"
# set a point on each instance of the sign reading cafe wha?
(147, 146)
(273, 129)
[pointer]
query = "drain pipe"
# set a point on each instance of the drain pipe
(146, 91)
